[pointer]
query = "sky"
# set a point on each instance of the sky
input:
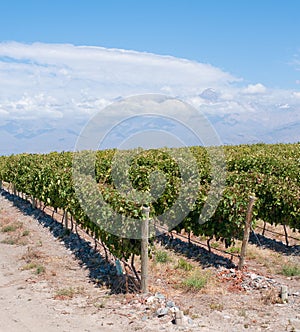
(63, 61)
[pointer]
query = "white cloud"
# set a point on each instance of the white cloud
(255, 89)
(65, 63)
(296, 94)
(56, 88)
(284, 106)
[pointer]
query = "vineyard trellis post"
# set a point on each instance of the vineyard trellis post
(246, 231)
(33, 202)
(65, 218)
(144, 249)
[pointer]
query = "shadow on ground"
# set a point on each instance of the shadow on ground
(193, 251)
(101, 271)
(272, 244)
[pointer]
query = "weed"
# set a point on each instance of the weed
(99, 305)
(29, 266)
(10, 241)
(11, 227)
(242, 312)
(26, 232)
(196, 281)
(162, 257)
(40, 269)
(184, 265)
(216, 306)
(67, 293)
(186, 312)
(234, 250)
(194, 316)
(290, 270)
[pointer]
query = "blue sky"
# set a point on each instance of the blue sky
(63, 61)
(257, 40)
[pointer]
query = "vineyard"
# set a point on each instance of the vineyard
(113, 205)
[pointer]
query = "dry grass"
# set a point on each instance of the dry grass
(216, 306)
(68, 293)
(33, 261)
(15, 233)
(15, 240)
(180, 274)
(10, 240)
(196, 280)
(271, 296)
(269, 259)
(32, 255)
(12, 227)
(38, 268)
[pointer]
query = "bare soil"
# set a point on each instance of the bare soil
(52, 280)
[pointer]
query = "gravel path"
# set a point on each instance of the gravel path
(32, 301)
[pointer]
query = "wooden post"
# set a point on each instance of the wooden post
(72, 225)
(179, 317)
(264, 229)
(286, 235)
(33, 202)
(246, 231)
(66, 218)
(284, 293)
(144, 250)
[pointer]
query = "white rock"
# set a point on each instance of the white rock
(151, 299)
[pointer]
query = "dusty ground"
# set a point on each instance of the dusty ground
(51, 283)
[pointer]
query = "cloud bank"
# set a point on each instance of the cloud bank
(49, 91)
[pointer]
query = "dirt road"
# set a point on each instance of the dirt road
(42, 287)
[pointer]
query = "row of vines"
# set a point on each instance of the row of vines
(270, 172)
